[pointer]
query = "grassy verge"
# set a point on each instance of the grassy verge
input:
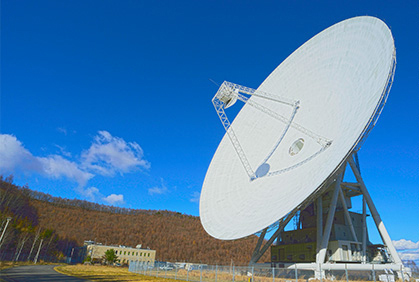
(106, 273)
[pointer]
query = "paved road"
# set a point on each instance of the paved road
(35, 273)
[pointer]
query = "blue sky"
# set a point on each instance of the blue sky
(110, 101)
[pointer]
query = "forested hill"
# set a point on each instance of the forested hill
(174, 236)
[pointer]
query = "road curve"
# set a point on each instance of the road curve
(36, 273)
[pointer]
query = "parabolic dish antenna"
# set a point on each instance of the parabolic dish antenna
(297, 128)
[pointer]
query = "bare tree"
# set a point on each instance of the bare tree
(44, 235)
(4, 235)
(25, 227)
(37, 234)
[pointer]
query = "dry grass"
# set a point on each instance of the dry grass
(105, 273)
(10, 264)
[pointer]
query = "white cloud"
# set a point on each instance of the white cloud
(91, 193)
(412, 255)
(195, 197)
(158, 190)
(56, 167)
(405, 245)
(108, 155)
(407, 249)
(14, 156)
(114, 199)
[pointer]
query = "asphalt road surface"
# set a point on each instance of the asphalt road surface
(35, 273)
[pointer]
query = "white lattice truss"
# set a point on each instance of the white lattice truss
(229, 92)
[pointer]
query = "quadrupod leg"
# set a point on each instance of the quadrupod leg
(375, 214)
(324, 230)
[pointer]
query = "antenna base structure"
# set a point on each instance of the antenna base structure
(285, 154)
(330, 237)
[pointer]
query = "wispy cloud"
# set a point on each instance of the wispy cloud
(62, 130)
(195, 197)
(63, 151)
(108, 155)
(158, 190)
(114, 199)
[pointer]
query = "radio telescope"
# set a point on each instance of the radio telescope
(285, 154)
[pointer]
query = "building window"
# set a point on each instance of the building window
(148, 254)
(116, 252)
(137, 254)
(124, 252)
(120, 252)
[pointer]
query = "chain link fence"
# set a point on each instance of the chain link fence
(216, 273)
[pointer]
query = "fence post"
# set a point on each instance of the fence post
(296, 273)
(157, 271)
(402, 273)
(176, 271)
(188, 272)
(373, 272)
(273, 273)
(201, 273)
(347, 274)
(215, 277)
(252, 277)
(233, 274)
(165, 271)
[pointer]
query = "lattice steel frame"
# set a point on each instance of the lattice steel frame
(229, 91)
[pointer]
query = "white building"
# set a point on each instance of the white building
(125, 254)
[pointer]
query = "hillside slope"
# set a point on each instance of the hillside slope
(174, 236)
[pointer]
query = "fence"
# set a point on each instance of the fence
(214, 273)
